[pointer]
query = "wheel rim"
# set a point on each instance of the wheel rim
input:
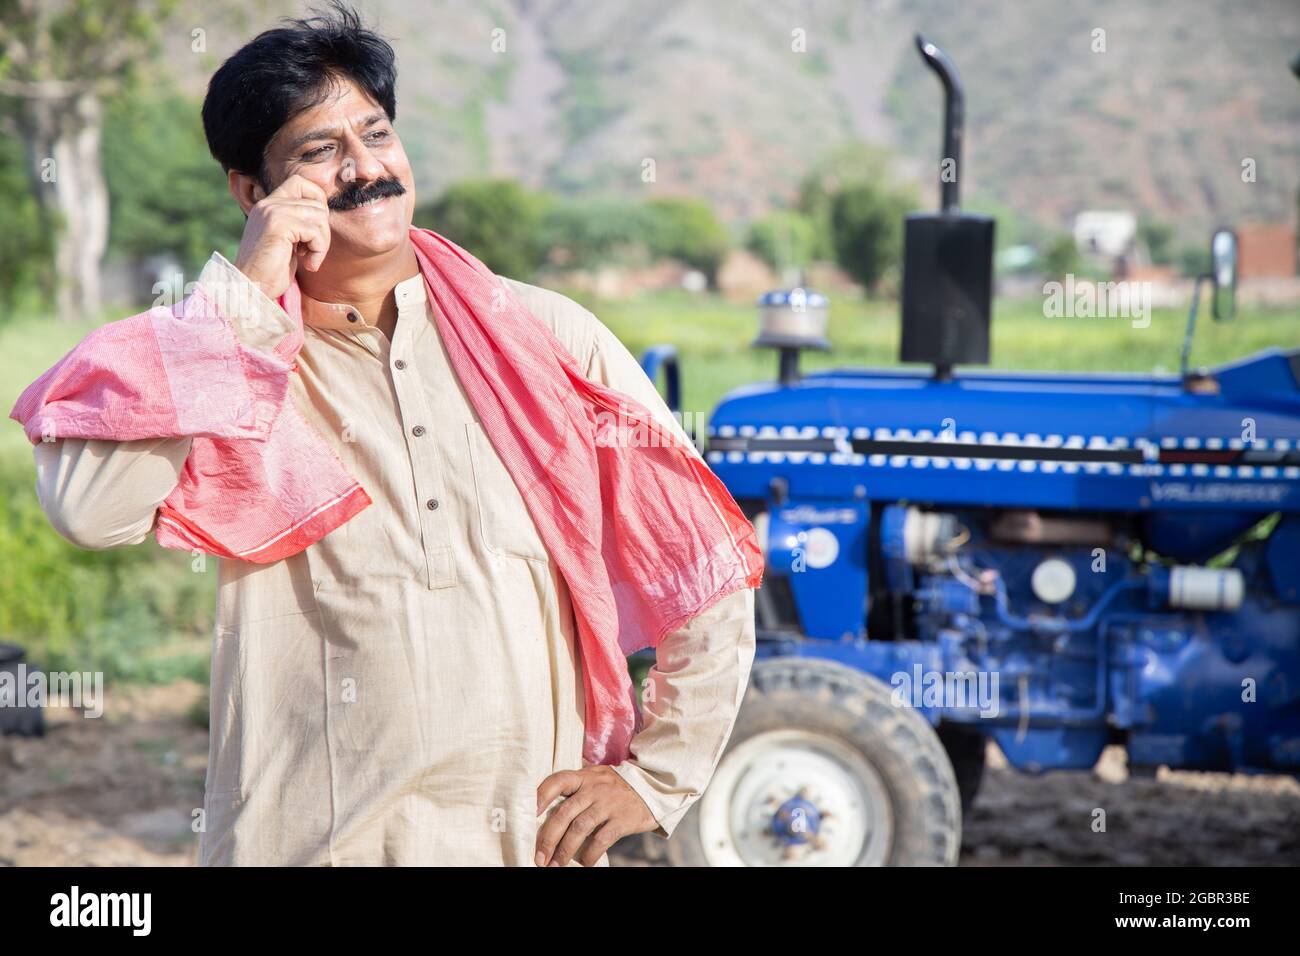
(795, 798)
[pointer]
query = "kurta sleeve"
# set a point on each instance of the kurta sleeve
(104, 494)
(101, 494)
(693, 691)
(689, 706)
(258, 320)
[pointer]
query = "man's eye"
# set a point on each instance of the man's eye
(378, 135)
(314, 153)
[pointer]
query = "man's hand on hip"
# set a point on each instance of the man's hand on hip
(598, 810)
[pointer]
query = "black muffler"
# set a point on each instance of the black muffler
(947, 256)
(17, 716)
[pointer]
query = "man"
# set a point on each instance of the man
(406, 690)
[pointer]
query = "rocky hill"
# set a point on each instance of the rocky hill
(735, 100)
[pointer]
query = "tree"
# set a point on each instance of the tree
(784, 240)
(168, 193)
(1061, 258)
(687, 229)
(25, 247)
(847, 165)
(867, 229)
(1194, 259)
(1158, 238)
(497, 220)
(59, 59)
(584, 233)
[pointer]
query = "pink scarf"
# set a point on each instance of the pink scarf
(645, 535)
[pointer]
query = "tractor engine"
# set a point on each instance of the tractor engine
(1054, 632)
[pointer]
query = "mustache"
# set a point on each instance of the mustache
(354, 194)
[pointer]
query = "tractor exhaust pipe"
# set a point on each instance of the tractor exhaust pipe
(954, 118)
(947, 255)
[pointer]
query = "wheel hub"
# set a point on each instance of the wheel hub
(794, 797)
(796, 821)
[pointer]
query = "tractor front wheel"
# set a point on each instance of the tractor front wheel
(824, 770)
(966, 749)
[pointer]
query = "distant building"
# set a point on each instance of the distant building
(1266, 251)
(1104, 234)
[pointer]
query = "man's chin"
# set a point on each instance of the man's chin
(373, 240)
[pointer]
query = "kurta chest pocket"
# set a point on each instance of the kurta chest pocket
(504, 522)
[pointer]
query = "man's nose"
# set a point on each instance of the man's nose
(359, 164)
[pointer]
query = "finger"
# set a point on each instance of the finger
(307, 230)
(295, 206)
(557, 825)
(318, 245)
(297, 187)
(598, 845)
(559, 784)
(583, 826)
(300, 211)
(292, 220)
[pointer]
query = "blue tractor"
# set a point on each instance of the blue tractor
(1055, 562)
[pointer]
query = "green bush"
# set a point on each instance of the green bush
(867, 230)
(597, 231)
(1158, 238)
(1194, 259)
(856, 207)
(135, 613)
(497, 220)
(1061, 258)
(848, 165)
(784, 240)
(26, 246)
(687, 229)
(167, 193)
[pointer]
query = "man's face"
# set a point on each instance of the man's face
(347, 146)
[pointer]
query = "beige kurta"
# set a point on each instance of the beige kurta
(395, 693)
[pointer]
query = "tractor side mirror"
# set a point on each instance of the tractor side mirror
(1223, 280)
(1223, 266)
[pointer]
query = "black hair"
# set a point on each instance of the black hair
(289, 69)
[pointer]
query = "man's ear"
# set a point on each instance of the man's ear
(246, 189)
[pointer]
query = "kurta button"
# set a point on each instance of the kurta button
(400, 363)
(417, 431)
(433, 504)
(352, 316)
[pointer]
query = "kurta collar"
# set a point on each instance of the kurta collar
(340, 315)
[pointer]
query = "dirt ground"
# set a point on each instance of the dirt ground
(121, 791)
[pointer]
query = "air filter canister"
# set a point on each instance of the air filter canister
(1205, 589)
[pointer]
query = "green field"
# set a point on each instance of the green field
(713, 339)
(142, 613)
